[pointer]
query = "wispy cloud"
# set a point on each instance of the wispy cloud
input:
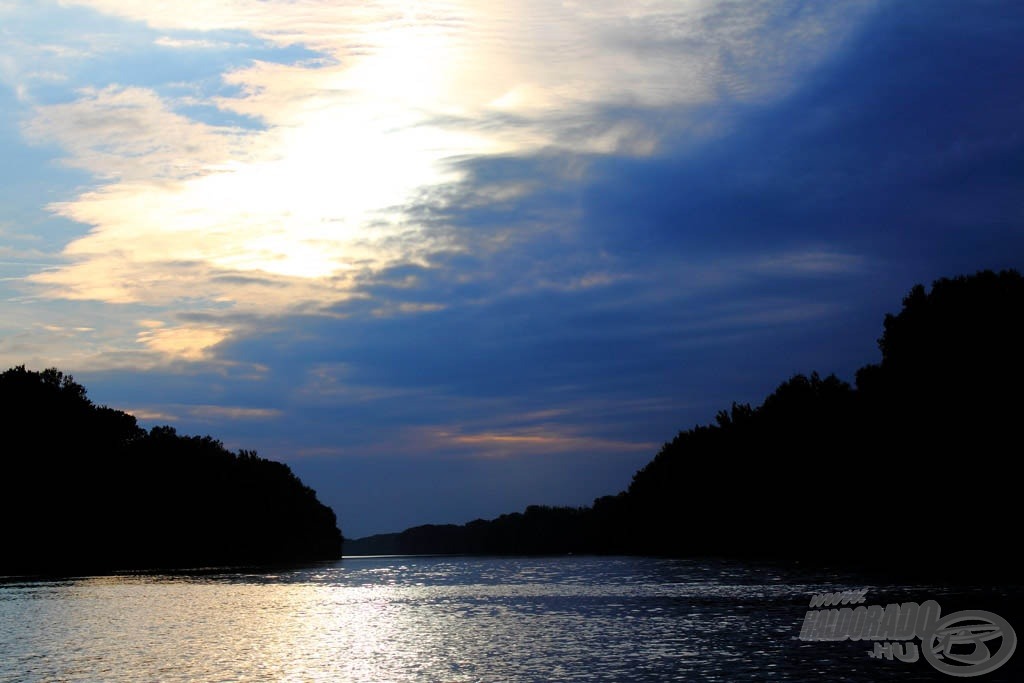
(152, 415)
(486, 248)
(202, 413)
(297, 212)
(529, 442)
(196, 44)
(216, 412)
(130, 135)
(187, 342)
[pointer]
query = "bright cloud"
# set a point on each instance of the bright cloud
(193, 44)
(189, 343)
(201, 215)
(130, 134)
(418, 240)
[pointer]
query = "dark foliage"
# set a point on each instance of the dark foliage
(539, 530)
(85, 489)
(911, 472)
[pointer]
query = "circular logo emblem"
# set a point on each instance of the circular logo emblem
(961, 643)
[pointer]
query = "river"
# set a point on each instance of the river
(439, 619)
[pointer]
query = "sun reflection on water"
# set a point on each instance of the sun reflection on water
(422, 619)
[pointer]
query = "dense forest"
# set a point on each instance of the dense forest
(911, 469)
(85, 489)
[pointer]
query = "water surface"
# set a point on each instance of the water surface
(450, 619)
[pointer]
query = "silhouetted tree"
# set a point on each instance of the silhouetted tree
(908, 472)
(86, 489)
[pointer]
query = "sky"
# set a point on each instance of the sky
(451, 258)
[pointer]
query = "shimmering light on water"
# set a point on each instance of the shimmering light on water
(429, 619)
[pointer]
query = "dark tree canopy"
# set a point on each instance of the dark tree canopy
(953, 360)
(906, 473)
(87, 490)
(908, 470)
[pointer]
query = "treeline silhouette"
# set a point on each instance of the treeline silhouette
(911, 471)
(85, 489)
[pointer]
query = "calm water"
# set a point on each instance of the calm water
(452, 619)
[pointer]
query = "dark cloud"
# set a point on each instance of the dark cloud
(623, 298)
(905, 147)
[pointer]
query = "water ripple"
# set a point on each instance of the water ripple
(430, 619)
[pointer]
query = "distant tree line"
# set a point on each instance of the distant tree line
(85, 489)
(912, 470)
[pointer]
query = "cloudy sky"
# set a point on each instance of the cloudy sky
(453, 257)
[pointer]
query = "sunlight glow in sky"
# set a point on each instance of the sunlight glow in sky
(351, 228)
(291, 204)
